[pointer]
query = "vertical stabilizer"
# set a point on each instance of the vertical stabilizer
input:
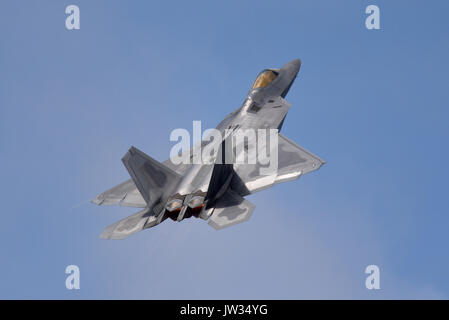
(151, 177)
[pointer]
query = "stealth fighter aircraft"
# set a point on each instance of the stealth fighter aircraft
(213, 191)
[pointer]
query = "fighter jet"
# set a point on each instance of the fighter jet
(215, 190)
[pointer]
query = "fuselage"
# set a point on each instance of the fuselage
(193, 190)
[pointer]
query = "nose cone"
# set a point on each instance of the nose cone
(290, 71)
(293, 66)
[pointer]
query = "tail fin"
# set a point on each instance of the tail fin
(151, 177)
(221, 174)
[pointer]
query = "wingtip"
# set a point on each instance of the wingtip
(320, 164)
(107, 236)
(98, 201)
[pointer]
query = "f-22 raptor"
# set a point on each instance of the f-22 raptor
(212, 191)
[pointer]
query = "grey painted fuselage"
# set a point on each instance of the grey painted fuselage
(213, 189)
(197, 178)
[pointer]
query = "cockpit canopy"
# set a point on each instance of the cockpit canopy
(265, 78)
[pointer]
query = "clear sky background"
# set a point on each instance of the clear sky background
(373, 104)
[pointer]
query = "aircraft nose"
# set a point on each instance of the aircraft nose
(293, 66)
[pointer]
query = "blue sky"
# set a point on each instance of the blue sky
(372, 103)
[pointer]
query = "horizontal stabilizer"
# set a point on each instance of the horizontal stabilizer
(230, 210)
(128, 226)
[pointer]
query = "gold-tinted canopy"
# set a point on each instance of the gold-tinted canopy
(264, 79)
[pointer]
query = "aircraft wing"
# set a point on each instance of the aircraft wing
(124, 194)
(293, 161)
